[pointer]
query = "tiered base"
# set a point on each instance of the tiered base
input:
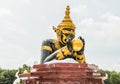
(63, 73)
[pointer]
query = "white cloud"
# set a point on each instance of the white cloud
(88, 22)
(1, 40)
(107, 30)
(115, 67)
(5, 11)
(25, 2)
(110, 17)
(79, 9)
(13, 54)
(112, 28)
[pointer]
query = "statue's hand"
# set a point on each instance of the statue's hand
(83, 41)
(63, 53)
(69, 45)
(82, 49)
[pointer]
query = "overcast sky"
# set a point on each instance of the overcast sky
(24, 24)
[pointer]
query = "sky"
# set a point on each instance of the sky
(24, 24)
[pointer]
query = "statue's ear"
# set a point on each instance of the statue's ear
(55, 29)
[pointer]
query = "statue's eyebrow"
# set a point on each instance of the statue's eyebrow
(68, 29)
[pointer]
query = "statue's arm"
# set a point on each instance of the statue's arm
(50, 52)
(46, 50)
(59, 54)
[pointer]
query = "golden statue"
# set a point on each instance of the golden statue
(67, 46)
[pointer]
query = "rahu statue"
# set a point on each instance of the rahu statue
(66, 46)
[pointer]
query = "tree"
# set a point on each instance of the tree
(24, 67)
(113, 77)
(7, 76)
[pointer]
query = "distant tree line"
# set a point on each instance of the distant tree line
(113, 77)
(8, 76)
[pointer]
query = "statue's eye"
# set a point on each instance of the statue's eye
(72, 30)
(66, 34)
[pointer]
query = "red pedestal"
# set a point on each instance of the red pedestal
(63, 73)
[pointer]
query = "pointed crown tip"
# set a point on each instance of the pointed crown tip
(66, 22)
(68, 6)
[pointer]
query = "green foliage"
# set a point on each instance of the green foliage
(21, 82)
(24, 67)
(7, 76)
(113, 77)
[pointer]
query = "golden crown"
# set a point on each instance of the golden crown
(66, 22)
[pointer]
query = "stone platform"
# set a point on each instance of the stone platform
(64, 73)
